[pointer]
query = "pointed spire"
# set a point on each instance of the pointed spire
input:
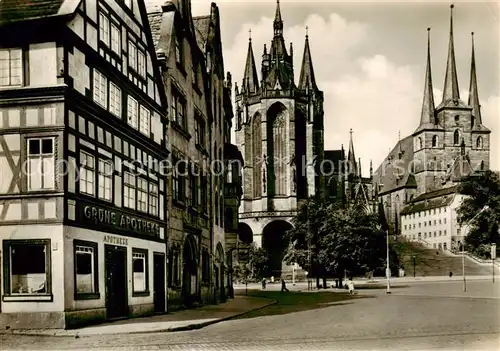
(473, 93)
(278, 21)
(359, 167)
(450, 91)
(351, 158)
(307, 77)
(428, 108)
(250, 79)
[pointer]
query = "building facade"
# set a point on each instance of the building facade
(431, 219)
(449, 143)
(83, 137)
(279, 131)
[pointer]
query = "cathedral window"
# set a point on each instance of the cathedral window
(456, 137)
(479, 143)
(259, 172)
(420, 145)
(434, 141)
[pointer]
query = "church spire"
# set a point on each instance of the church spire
(278, 22)
(428, 109)
(351, 158)
(451, 92)
(307, 78)
(473, 93)
(250, 79)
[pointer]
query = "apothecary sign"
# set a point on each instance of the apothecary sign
(119, 220)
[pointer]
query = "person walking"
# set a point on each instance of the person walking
(350, 286)
(263, 283)
(283, 285)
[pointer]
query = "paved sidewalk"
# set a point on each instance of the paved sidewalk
(190, 319)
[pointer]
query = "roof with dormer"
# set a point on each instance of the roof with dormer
(430, 200)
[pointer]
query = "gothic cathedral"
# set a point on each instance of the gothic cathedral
(279, 131)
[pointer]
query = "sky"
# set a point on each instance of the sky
(369, 60)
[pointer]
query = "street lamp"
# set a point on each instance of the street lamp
(413, 257)
(388, 270)
(467, 225)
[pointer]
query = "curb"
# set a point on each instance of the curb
(189, 327)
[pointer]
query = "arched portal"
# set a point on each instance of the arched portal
(245, 234)
(189, 271)
(219, 270)
(274, 243)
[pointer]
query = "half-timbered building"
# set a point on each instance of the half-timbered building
(83, 118)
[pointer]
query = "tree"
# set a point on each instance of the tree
(482, 191)
(258, 261)
(328, 240)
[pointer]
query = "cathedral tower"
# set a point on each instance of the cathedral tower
(279, 132)
(449, 129)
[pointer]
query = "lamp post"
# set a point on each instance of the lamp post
(467, 225)
(388, 270)
(493, 256)
(413, 256)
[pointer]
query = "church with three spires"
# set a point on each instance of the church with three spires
(422, 171)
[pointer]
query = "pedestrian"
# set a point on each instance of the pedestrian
(272, 279)
(283, 285)
(263, 283)
(350, 285)
(451, 274)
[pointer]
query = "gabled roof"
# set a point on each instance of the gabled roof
(461, 168)
(22, 10)
(162, 25)
(201, 28)
(395, 170)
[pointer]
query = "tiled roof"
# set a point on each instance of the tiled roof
(427, 205)
(436, 193)
(22, 10)
(201, 28)
(162, 24)
(394, 172)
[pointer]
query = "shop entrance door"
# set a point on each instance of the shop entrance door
(159, 282)
(116, 281)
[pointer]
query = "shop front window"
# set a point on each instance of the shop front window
(27, 268)
(139, 271)
(86, 277)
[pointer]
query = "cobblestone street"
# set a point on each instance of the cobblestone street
(421, 316)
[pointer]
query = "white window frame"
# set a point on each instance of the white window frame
(41, 165)
(87, 173)
(144, 123)
(24, 286)
(153, 199)
(105, 180)
(141, 63)
(11, 63)
(140, 256)
(116, 38)
(115, 99)
(81, 249)
(142, 195)
(104, 33)
(100, 89)
(132, 55)
(132, 111)
(129, 188)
